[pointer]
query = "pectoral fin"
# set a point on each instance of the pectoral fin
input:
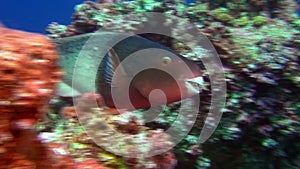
(64, 90)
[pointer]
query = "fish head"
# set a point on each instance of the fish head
(167, 77)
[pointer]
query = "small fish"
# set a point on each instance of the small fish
(133, 68)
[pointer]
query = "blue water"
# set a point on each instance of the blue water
(35, 15)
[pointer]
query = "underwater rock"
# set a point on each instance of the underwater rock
(55, 30)
(88, 17)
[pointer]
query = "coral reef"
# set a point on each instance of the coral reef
(258, 43)
(91, 16)
(29, 74)
(102, 131)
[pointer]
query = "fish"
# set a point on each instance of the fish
(138, 72)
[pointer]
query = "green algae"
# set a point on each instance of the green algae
(78, 146)
(222, 14)
(296, 21)
(242, 21)
(259, 20)
(147, 5)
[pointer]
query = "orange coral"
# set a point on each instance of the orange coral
(28, 69)
(28, 74)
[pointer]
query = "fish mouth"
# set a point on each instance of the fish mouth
(195, 84)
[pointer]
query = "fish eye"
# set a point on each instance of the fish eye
(167, 60)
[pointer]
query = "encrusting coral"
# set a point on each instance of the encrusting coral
(29, 73)
(123, 134)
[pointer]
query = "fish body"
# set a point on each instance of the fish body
(135, 72)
